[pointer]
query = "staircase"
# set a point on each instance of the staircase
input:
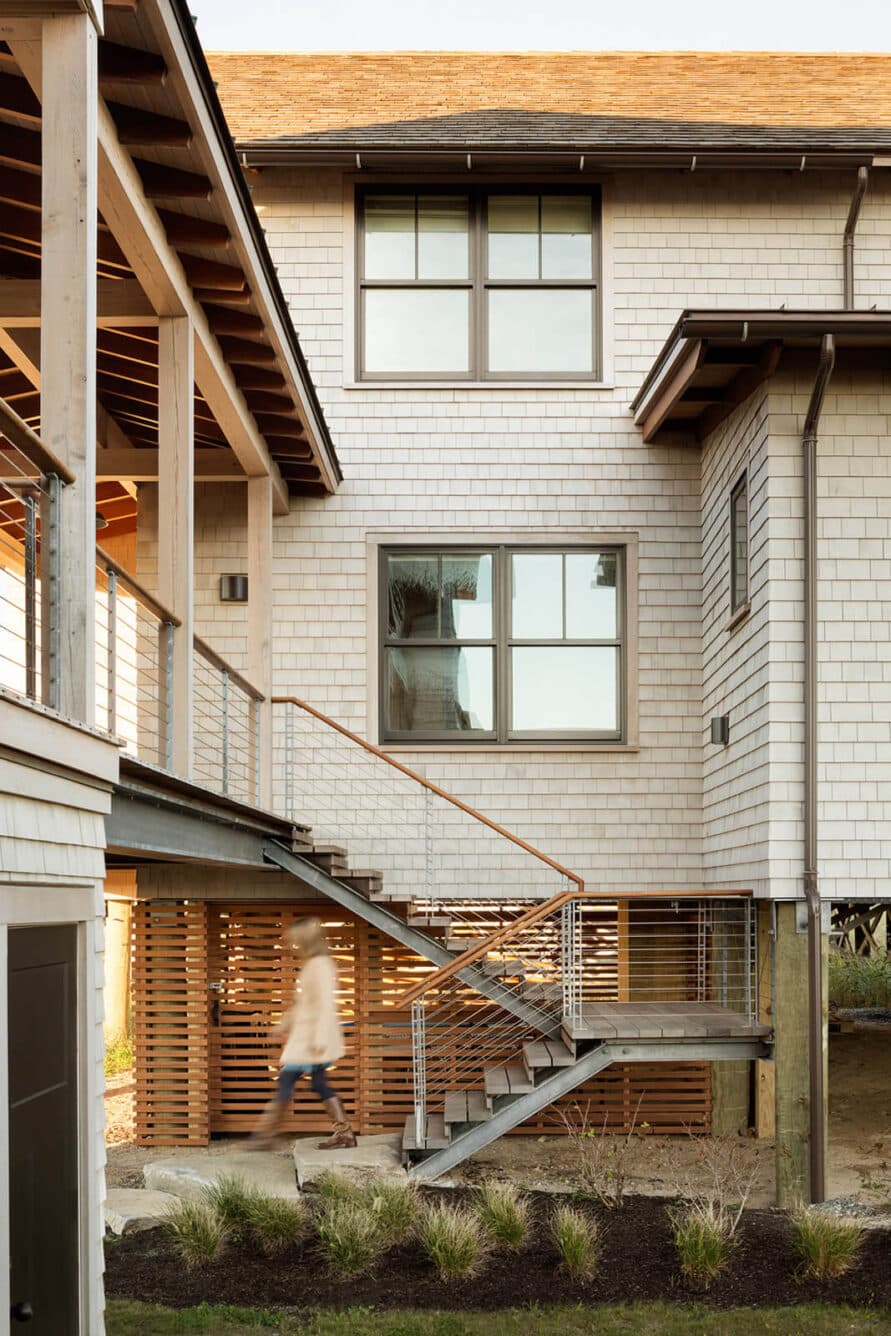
(537, 984)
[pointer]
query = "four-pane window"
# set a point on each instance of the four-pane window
(502, 644)
(739, 544)
(476, 286)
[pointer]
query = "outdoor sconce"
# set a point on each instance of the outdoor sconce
(233, 589)
(721, 730)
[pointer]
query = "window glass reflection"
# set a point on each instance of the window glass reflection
(467, 597)
(416, 330)
(442, 236)
(390, 236)
(513, 236)
(537, 596)
(541, 329)
(590, 596)
(561, 688)
(413, 597)
(439, 690)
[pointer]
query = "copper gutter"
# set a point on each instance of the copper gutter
(433, 788)
(811, 878)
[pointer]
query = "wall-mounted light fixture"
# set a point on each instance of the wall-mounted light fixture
(233, 589)
(721, 730)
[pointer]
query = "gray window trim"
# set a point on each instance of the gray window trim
(502, 644)
(740, 600)
(479, 284)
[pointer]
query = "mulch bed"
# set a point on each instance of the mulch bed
(638, 1262)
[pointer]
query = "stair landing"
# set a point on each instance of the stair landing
(662, 1020)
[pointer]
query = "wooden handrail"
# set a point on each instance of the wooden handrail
(28, 443)
(217, 661)
(534, 915)
(139, 592)
(434, 788)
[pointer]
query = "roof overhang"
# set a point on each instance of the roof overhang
(713, 360)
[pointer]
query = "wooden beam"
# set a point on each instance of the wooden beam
(24, 226)
(251, 354)
(68, 337)
(142, 466)
(280, 427)
(176, 510)
(261, 401)
(141, 235)
(210, 274)
(259, 572)
(293, 472)
(120, 304)
(139, 128)
(162, 182)
(184, 230)
(203, 295)
(257, 378)
(658, 409)
(128, 65)
(746, 382)
(224, 320)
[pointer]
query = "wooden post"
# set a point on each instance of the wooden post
(259, 530)
(791, 1058)
(765, 1072)
(176, 516)
(68, 332)
(117, 969)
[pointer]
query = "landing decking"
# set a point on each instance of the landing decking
(663, 1020)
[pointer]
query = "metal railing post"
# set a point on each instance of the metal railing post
(225, 687)
(289, 746)
(571, 960)
(169, 631)
(53, 577)
(419, 1068)
(112, 633)
(255, 713)
(751, 972)
(428, 843)
(29, 503)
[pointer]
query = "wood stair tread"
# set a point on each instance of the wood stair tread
(436, 1137)
(511, 1079)
(547, 1053)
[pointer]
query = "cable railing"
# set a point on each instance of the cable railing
(426, 842)
(31, 481)
(571, 959)
(226, 727)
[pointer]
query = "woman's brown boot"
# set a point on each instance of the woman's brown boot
(342, 1138)
(265, 1134)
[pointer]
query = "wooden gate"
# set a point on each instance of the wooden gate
(211, 980)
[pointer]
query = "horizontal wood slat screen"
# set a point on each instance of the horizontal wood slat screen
(228, 996)
(171, 1024)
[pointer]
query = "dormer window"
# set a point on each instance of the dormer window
(478, 286)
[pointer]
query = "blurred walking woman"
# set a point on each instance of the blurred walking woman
(312, 1036)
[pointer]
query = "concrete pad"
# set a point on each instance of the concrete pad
(132, 1210)
(188, 1176)
(372, 1156)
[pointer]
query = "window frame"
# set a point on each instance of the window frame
(740, 487)
(502, 643)
(478, 285)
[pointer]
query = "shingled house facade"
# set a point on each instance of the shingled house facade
(559, 688)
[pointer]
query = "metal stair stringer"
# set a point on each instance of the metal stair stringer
(394, 926)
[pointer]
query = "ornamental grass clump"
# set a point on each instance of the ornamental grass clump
(350, 1238)
(860, 981)
(576, 1237)
(198, 1232)
(827, 1245)
(232, 1202)
(454, 1241)
(333, 1187)
(704, 1241)
(503, 1212)
(394, 1204)
(276, 1223)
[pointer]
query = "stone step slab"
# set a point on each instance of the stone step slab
(189, 1176)
(134, 1210)
(373, 1156)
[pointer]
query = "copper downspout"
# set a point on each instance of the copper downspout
(848, 242)
(811, 883)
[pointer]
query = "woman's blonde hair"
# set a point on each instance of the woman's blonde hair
(308, 935)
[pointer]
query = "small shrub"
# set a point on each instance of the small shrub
(453, 1240)
(577, 1239)
(336, 1187)
(118, 1055)
(350, 1238)
(828, 1246)
(860, 981)
(276, 1223)
(394, 1203)
(504, 1214)
(603, 1158)
(704, 1239)
(232, 1202)
(198, 1232)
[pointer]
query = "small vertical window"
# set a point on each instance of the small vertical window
(739, 544)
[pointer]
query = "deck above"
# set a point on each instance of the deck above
(663, 1020)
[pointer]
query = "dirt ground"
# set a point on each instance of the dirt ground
(859, 1141)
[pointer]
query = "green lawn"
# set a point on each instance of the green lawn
(132, 1319)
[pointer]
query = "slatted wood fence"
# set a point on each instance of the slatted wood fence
(211, 979)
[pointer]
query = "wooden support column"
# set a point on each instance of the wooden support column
(790, 1012)
(765, 1071)
(68, 334)
(259, 527)
(176, 518)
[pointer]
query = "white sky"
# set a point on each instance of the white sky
(517, 25)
